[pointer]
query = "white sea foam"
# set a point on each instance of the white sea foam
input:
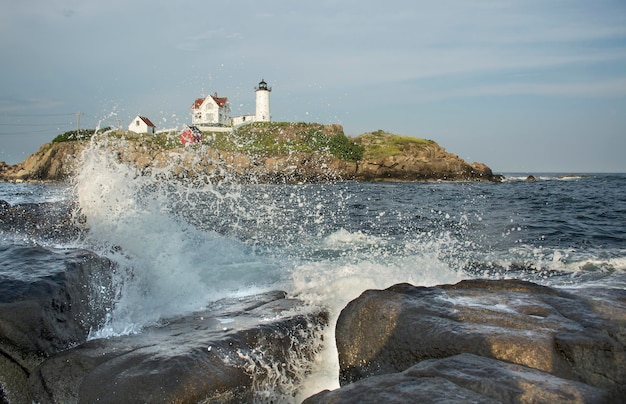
(180, 245)
(333, 283)
(171, 263)
(166, 266)
(513, 177)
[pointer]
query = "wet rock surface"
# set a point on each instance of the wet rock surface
(236, 350)
(233, 351)
(460, 379)
(228, 354)
(575, 336)
(52, 303)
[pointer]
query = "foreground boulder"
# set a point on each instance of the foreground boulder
(461, 379)
(51, 303)
(237, 350)
(228, 353)
(573, 335)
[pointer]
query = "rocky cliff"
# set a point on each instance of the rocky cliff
(386, 157)
(52, 162)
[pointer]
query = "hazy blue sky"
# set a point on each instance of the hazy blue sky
(524, 85)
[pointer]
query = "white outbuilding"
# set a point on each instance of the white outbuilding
(141, 124)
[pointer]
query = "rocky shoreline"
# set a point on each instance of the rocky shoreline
(225, 353)
(478, 340)
(431, 162)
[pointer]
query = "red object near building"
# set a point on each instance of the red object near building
(190, 135)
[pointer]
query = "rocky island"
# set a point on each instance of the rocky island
(271, 152)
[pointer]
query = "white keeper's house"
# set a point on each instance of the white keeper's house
(213, 112)
(210, 112)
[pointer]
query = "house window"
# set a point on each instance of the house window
(137, 123)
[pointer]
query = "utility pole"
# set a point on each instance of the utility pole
(78, 114)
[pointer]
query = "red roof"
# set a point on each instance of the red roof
(147, 121)
(196, 104)
(220, 101)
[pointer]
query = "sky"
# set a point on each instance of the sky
(520, 85)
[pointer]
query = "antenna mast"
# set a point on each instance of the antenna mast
(78, 114)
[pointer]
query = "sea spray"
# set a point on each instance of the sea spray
(282, 380)
(334, 282)
(326, 243)
(181, 242)
(166, 266)
(184, 238)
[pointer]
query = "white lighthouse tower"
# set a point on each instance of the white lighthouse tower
(263, 102)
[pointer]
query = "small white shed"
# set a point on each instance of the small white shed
(141, 124)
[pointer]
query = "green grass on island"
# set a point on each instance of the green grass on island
(275, 138)
(381, 144)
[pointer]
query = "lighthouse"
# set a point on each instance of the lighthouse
(263, 102)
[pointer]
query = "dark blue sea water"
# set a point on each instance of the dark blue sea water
(181, 245)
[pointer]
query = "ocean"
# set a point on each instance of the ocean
(183, 243)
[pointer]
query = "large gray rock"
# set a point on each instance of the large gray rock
(51, 304)
(229, 353)
(461, 379)
(577, 335)
(236, 350)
